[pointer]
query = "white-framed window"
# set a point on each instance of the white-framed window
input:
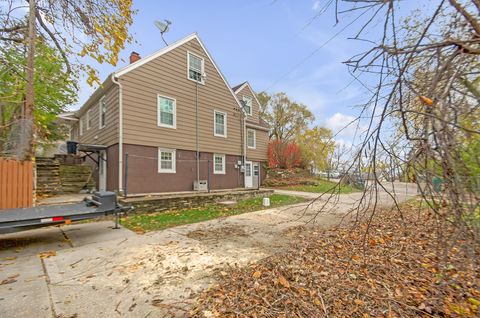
(89, 119)
(80, 123)
(251, 138)
(196, 67)
(220, 124)
(167, 112)
(102, 113)
(218, 164)
(166, 160)
(247, 102)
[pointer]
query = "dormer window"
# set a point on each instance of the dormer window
(195, 68)
(247, 104)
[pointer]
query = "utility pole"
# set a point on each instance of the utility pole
(28, 122)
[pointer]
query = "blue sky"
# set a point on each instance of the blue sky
(261, 41)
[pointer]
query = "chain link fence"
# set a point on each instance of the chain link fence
(16, 138)
(212, 176)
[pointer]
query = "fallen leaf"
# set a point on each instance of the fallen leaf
(398, 292)
(9, 280)
(359, 302)
(257, 274)
(473, 301)
(47, 254)
(283, 282)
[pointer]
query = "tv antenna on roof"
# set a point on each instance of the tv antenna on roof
(163, 27)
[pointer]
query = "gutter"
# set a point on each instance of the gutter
(67, 118)
(244, 139)
(120, 133)
(257, 127)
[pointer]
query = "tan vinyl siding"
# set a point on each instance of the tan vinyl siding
(255, 107)
(74, 132)
(167, 76)
(260, 152)
(107, 135)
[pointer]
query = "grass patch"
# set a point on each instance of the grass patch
(322, 186)
(161, 220)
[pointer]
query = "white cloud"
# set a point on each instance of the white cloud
(344, 126)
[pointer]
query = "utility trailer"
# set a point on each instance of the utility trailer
(102, 203)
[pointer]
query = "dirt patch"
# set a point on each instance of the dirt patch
(395, 271)
(229, 231)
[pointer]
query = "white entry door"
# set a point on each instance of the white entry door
(248, 174)
(102, 171)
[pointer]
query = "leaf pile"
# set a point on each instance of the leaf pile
(394, 271)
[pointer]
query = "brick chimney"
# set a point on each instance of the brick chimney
(134, 56)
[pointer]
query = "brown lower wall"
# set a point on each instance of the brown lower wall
(112, 168)
(143, 175)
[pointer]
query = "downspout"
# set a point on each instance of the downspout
(244, 139)
(120, 133)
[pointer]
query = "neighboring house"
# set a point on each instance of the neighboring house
(147, 110)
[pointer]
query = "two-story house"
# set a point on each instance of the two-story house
(151, 118)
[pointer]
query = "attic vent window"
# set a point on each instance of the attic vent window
(195, 68)
(247, 102)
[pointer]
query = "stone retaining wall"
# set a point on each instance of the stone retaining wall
(164, 203)
(55, 177)
(48, 176)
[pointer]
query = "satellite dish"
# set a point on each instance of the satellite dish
(163, 26)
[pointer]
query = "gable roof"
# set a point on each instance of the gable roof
(236, 88)
(142, 61)
(107, 83)
(239, 87)
(124, 70)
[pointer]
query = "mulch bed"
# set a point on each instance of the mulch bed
(393, 272)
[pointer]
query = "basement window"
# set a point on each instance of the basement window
(218, 164)
(166, 160)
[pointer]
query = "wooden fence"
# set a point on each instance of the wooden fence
(16, 184)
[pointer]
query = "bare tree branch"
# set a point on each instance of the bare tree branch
(54, 39)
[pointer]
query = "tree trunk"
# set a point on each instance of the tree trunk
(29, 89)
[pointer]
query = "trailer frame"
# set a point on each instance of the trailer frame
(102, 204)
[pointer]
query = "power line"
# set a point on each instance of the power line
(314, 52)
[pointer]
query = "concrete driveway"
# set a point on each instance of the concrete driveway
(92, 270)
